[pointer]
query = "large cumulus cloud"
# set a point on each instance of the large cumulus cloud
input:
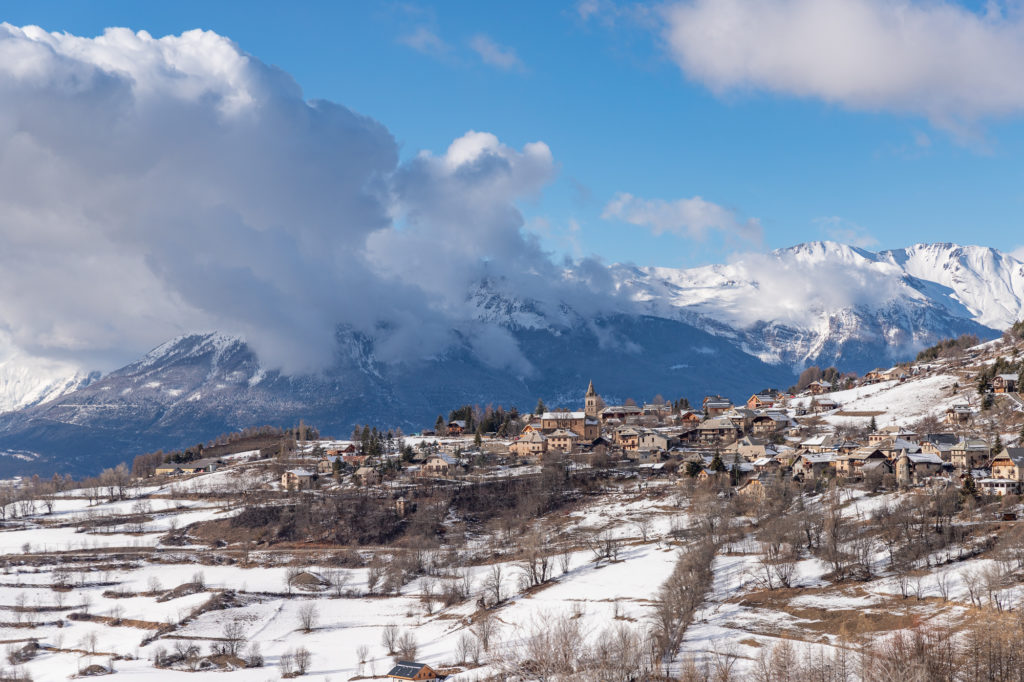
(934, 58)
(150, 187)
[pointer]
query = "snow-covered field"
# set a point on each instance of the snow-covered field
(121, 598)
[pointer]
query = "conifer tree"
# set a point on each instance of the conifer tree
(541, 407)
(969, 488)
(717, 464)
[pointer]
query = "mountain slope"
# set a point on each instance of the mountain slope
(733, 329)
(26, 381)
(196, 387)
(828, 303)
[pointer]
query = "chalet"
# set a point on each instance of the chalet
(347, 449)
(438, 465)
(579, 423)
(915, 467)
(764, 399)
(958, 415)
(654, 440)
(851, 464)
(812, 466)
(822, 405)
(367, 476)
(628, 438)
(768, 424)
(1005, 383)
(970, 453)
(876, 467)
(891, 374)
(295, 479)
(690, 418)
(409, 670)
(563, 440)
(719, 430)
(1009, 464)
(751, 449)
(873, 377)
(716, 406)
(893, 432)
(456, 427)
(819, 387)
(766, 465)
(532, 444)
(741, 418)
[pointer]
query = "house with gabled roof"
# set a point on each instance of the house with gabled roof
(764, 399)
(812, 465)
(819, 387)
(532, 444)
(719, 430)
(851, 464)
(294, 479)
(970, 453)
(913, 467)
(411, 670)
(1004, 383)
(1009, 464)
(563, 440)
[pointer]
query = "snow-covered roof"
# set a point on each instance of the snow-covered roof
(924, 458)
(564, 415)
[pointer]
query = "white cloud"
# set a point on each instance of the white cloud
(933, 58)
(458, 210)
(424, 39)
(496, 55)
(151, 187)
(693, 218)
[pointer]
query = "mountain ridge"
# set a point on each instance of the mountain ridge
(729, 328)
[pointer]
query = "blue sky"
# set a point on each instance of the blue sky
(625, 109)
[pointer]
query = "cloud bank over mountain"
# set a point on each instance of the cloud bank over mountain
(150, 187)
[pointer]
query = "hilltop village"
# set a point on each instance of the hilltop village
(955, 419)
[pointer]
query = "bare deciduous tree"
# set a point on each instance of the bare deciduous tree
(389, 637)
(308, 615)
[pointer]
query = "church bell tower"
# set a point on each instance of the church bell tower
(590, 402)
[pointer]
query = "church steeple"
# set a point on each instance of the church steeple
(590, 402)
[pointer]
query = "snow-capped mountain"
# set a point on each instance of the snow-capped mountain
(732, 329)
(828, 303)
(199, 386)
(26, 381)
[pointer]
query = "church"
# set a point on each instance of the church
(586, 424)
